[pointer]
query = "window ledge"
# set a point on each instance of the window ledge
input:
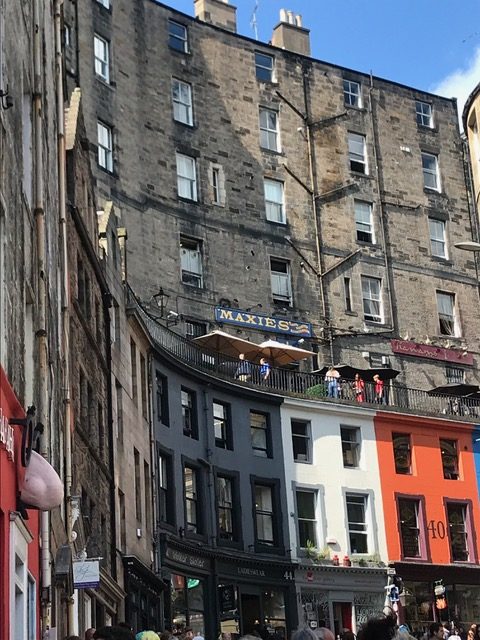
(277, 224)
(431, 191)
(272, 152)
(351, 313)
(359, 174)
(303, 461)
(446, 261)
(268, 83)
(351, 107)
(425, 128)
(179, 51)
(372, 323)
(189, 200)
(106, 83)
(192, 127)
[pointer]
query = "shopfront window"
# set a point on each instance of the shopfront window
(274, 612)
(187, 604)
(418, 606)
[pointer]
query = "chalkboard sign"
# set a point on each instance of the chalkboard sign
(226, 595)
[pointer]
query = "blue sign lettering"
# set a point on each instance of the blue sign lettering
(263, 323)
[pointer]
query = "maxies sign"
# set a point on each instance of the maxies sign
(263, 323)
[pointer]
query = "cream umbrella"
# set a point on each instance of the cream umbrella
(279, 354)
(227, 344)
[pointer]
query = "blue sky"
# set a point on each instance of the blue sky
(427, 44)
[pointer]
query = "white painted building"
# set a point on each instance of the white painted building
(335, 511)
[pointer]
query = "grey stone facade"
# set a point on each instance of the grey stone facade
(237, 241)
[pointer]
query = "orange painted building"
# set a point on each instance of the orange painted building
(430, 499)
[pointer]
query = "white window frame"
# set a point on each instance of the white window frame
(364, 223)
(351, 97)
(177, 38)
(20, 577)
(182, 102)
(265, 512)
(259, 67)
(357, 152)
(274, 208)
(269, 136)
(365, 523)
(373, 297)
(314, 521)
(102, 57)
(453, 317)
(281, 282)
(438, 243)
(105, 146)
(424, 114)
(186, 180)
(191, 261)
(430, 173)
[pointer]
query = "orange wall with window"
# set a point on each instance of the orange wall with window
(426, 479)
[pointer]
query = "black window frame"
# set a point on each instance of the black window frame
(226, 442)
(235, 540)
(357, 449)
(198, 500)
(470, 545)
(166, 494)
(162, 408)
(450, 461)
(277, 545)
(192, 430)
(267, 431)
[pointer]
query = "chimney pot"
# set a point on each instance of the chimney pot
(289, 34)
(217, 12)
(283, 15)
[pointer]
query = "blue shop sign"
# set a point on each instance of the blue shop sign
(248, 320)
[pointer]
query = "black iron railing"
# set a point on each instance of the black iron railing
(395, 396)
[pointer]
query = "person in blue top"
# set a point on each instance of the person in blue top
(265, 369)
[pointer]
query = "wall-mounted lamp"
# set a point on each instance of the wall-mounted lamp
(172, 318)
(7, 100)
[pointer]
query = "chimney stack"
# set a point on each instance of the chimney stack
(289, 34)
(217, 12)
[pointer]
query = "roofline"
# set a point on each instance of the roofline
(468, 104)
(258, 43)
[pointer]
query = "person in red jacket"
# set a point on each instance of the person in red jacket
(359, 388)
(378, 389)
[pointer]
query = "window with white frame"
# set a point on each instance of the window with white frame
(191, 262)
(372, 299)
(437, 238)
(281, 281)
(431, 178)
(264, 67)
(269, 132)
(192, 506)
(357, 522)
(274, 201)
(301, 441)
(177, 36)
(423, 112)
(216, 177)
(446, 313)
(264, 515)
(105, 146)
(22, 584)
(357, 152)
(364, 221)
(352, 94)
(102, 57)
(182, 101)
(306, 519)
(186, 177)
(216, 184)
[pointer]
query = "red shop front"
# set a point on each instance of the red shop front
(19, 536)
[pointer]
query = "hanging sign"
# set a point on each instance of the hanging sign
(86, 574)
(248, 320)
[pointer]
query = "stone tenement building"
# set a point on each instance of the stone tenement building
(254, 177)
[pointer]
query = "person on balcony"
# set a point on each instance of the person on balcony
(359, 388)
(378, 389)
(244, 369)
(332, 378)
(265, 368)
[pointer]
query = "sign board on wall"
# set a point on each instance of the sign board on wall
(249, 320)
(6, 435)
(429, 351)
(86, 574)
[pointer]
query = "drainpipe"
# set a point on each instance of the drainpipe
(316, 211)
(41, 325)
(153, 460)
(62, 181)
(380, 191)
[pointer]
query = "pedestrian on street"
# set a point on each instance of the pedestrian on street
(436, 631)
(378, 628)
(147, 635)
(304, 634)
(89, 633)
(323, 632)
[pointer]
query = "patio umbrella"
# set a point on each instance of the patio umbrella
(345, 371)
(279, 354)
(453, 389)
(227, 344)
(385, 373)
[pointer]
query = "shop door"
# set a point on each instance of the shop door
(250, 613)
(342, 617)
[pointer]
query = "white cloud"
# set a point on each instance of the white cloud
(461, 82)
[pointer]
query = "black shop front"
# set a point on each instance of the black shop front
(212, 592)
